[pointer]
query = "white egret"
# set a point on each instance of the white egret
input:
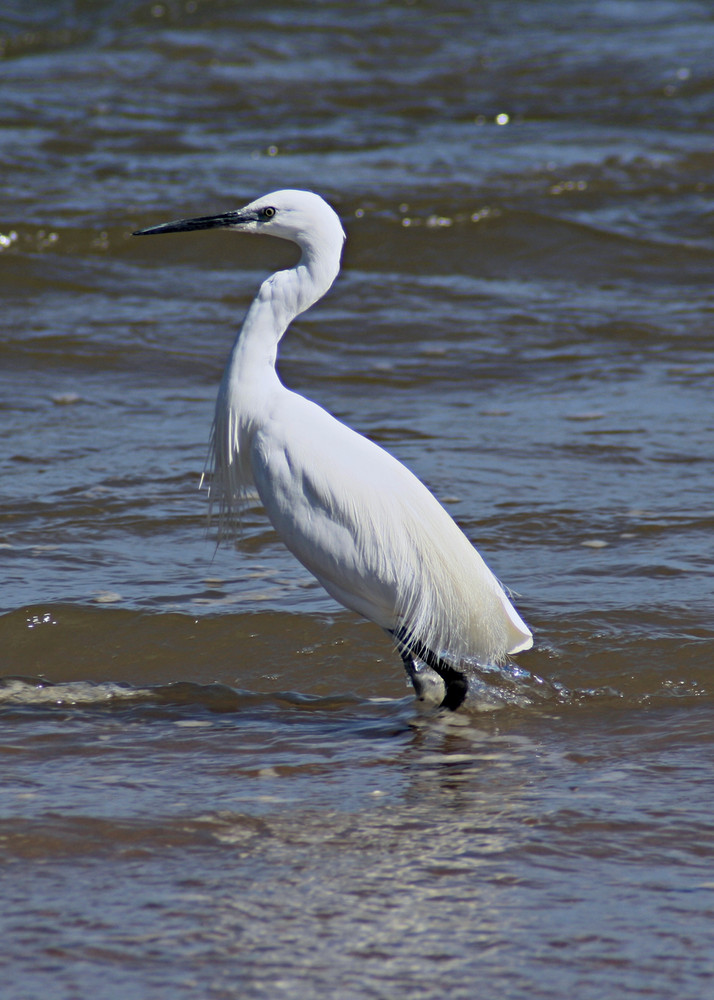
(362, 523)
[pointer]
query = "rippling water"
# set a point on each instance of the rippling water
(215, 782)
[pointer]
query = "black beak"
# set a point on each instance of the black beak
(204, 222)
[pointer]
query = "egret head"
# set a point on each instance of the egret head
(300, 216)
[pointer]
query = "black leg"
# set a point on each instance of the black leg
(454, 680)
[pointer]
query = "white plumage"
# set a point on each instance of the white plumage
(369, 531)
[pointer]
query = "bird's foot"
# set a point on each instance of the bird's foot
(428, 686)
(437, 682)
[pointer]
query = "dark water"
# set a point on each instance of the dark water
(214, 782)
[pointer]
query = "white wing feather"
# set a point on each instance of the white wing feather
(375, 537)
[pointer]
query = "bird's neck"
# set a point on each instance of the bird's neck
(281, 297)
(250, 378)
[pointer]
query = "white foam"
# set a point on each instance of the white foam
(15, 691)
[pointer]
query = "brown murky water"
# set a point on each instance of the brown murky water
(215, 782)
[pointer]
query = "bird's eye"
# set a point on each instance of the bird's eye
(268, 213)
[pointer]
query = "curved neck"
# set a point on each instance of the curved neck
(281, 297)
(250, 377)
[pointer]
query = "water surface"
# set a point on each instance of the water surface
(215, 781)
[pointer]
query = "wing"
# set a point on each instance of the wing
(375, 537)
